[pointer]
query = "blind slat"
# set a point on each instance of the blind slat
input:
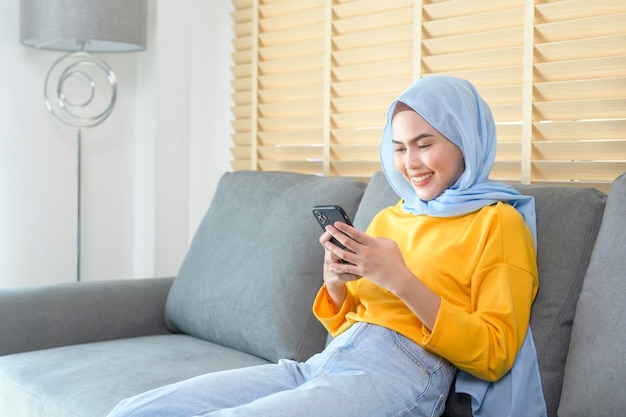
(358, 136)
(366, 23)
(503, 38)
(287, 65)
(580, 130)
(581, 109)
(287, 93)
(303, 167)
(597, 88)
(580, 69)
(456, 8)
(373, 70)
(268, 9)
(241, 98)
(291, 35)
(395, 34)
(291, 153)
(296, 78)
(381, 53)
(361, 88)
(241, 152)
(363, 103)
(481, 22)
(577, 9)
(509, 151)
(367, 7)
(599, 150)
(307, 47)
(241, 71)
(505, 170)
(287, 137)
(357, 169)
(581, 49)
(473, 60)
(510, 132)
(582, 28)
(356, 153)
(294, 124)
(298, 107)
(578, 170)
(358, 120)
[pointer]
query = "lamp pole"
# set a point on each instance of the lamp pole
(80, 112)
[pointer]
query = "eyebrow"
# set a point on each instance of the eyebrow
(414, 139)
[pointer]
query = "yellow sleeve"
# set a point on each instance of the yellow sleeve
(485, 340)
(334, 322)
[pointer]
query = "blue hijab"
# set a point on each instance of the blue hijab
(454, 107)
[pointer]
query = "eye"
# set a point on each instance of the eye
(424, 146)
(399, 149)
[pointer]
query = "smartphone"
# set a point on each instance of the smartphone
(326, 215)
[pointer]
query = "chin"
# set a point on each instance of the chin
(424, 196)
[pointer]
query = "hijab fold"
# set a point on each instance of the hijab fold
(454, 107)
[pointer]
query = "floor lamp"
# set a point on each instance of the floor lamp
(80, 89)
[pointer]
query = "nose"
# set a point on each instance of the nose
(413, 159)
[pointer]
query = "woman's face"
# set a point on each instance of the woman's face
(427, 159)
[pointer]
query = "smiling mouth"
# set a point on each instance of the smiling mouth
(421, 178)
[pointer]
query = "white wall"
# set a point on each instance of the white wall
(149, 171)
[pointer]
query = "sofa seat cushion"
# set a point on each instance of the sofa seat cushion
(90, 379)
(596, 363)
(255, 264)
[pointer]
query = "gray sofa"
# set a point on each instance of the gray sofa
(244, 292)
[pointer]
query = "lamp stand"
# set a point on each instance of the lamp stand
(78, 201)
(72, 96)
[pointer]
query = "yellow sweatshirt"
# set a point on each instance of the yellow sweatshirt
(482, 265)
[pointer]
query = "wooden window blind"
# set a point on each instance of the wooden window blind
(312, 81)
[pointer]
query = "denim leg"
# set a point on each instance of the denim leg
(212, 391)
(367, 371)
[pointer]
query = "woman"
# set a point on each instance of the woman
(442, 281)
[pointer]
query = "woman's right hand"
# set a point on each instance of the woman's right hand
(334, 277)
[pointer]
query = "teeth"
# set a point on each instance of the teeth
(423, 177)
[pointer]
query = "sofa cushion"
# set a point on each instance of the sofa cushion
(255, 264)
(378, 195)
(568, 219)
(596, 364)
(90, 379)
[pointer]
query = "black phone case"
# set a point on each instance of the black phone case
(326, 215)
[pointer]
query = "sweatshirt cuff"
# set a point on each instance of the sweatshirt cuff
(325, 312)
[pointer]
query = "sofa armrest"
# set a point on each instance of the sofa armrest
(43, 317)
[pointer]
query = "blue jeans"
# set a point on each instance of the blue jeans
(366, 371)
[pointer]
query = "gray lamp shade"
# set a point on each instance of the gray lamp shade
(65, 25)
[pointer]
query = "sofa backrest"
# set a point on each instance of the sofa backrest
(378, 195)
(568, 219)
(255, 264)
(596, 362)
